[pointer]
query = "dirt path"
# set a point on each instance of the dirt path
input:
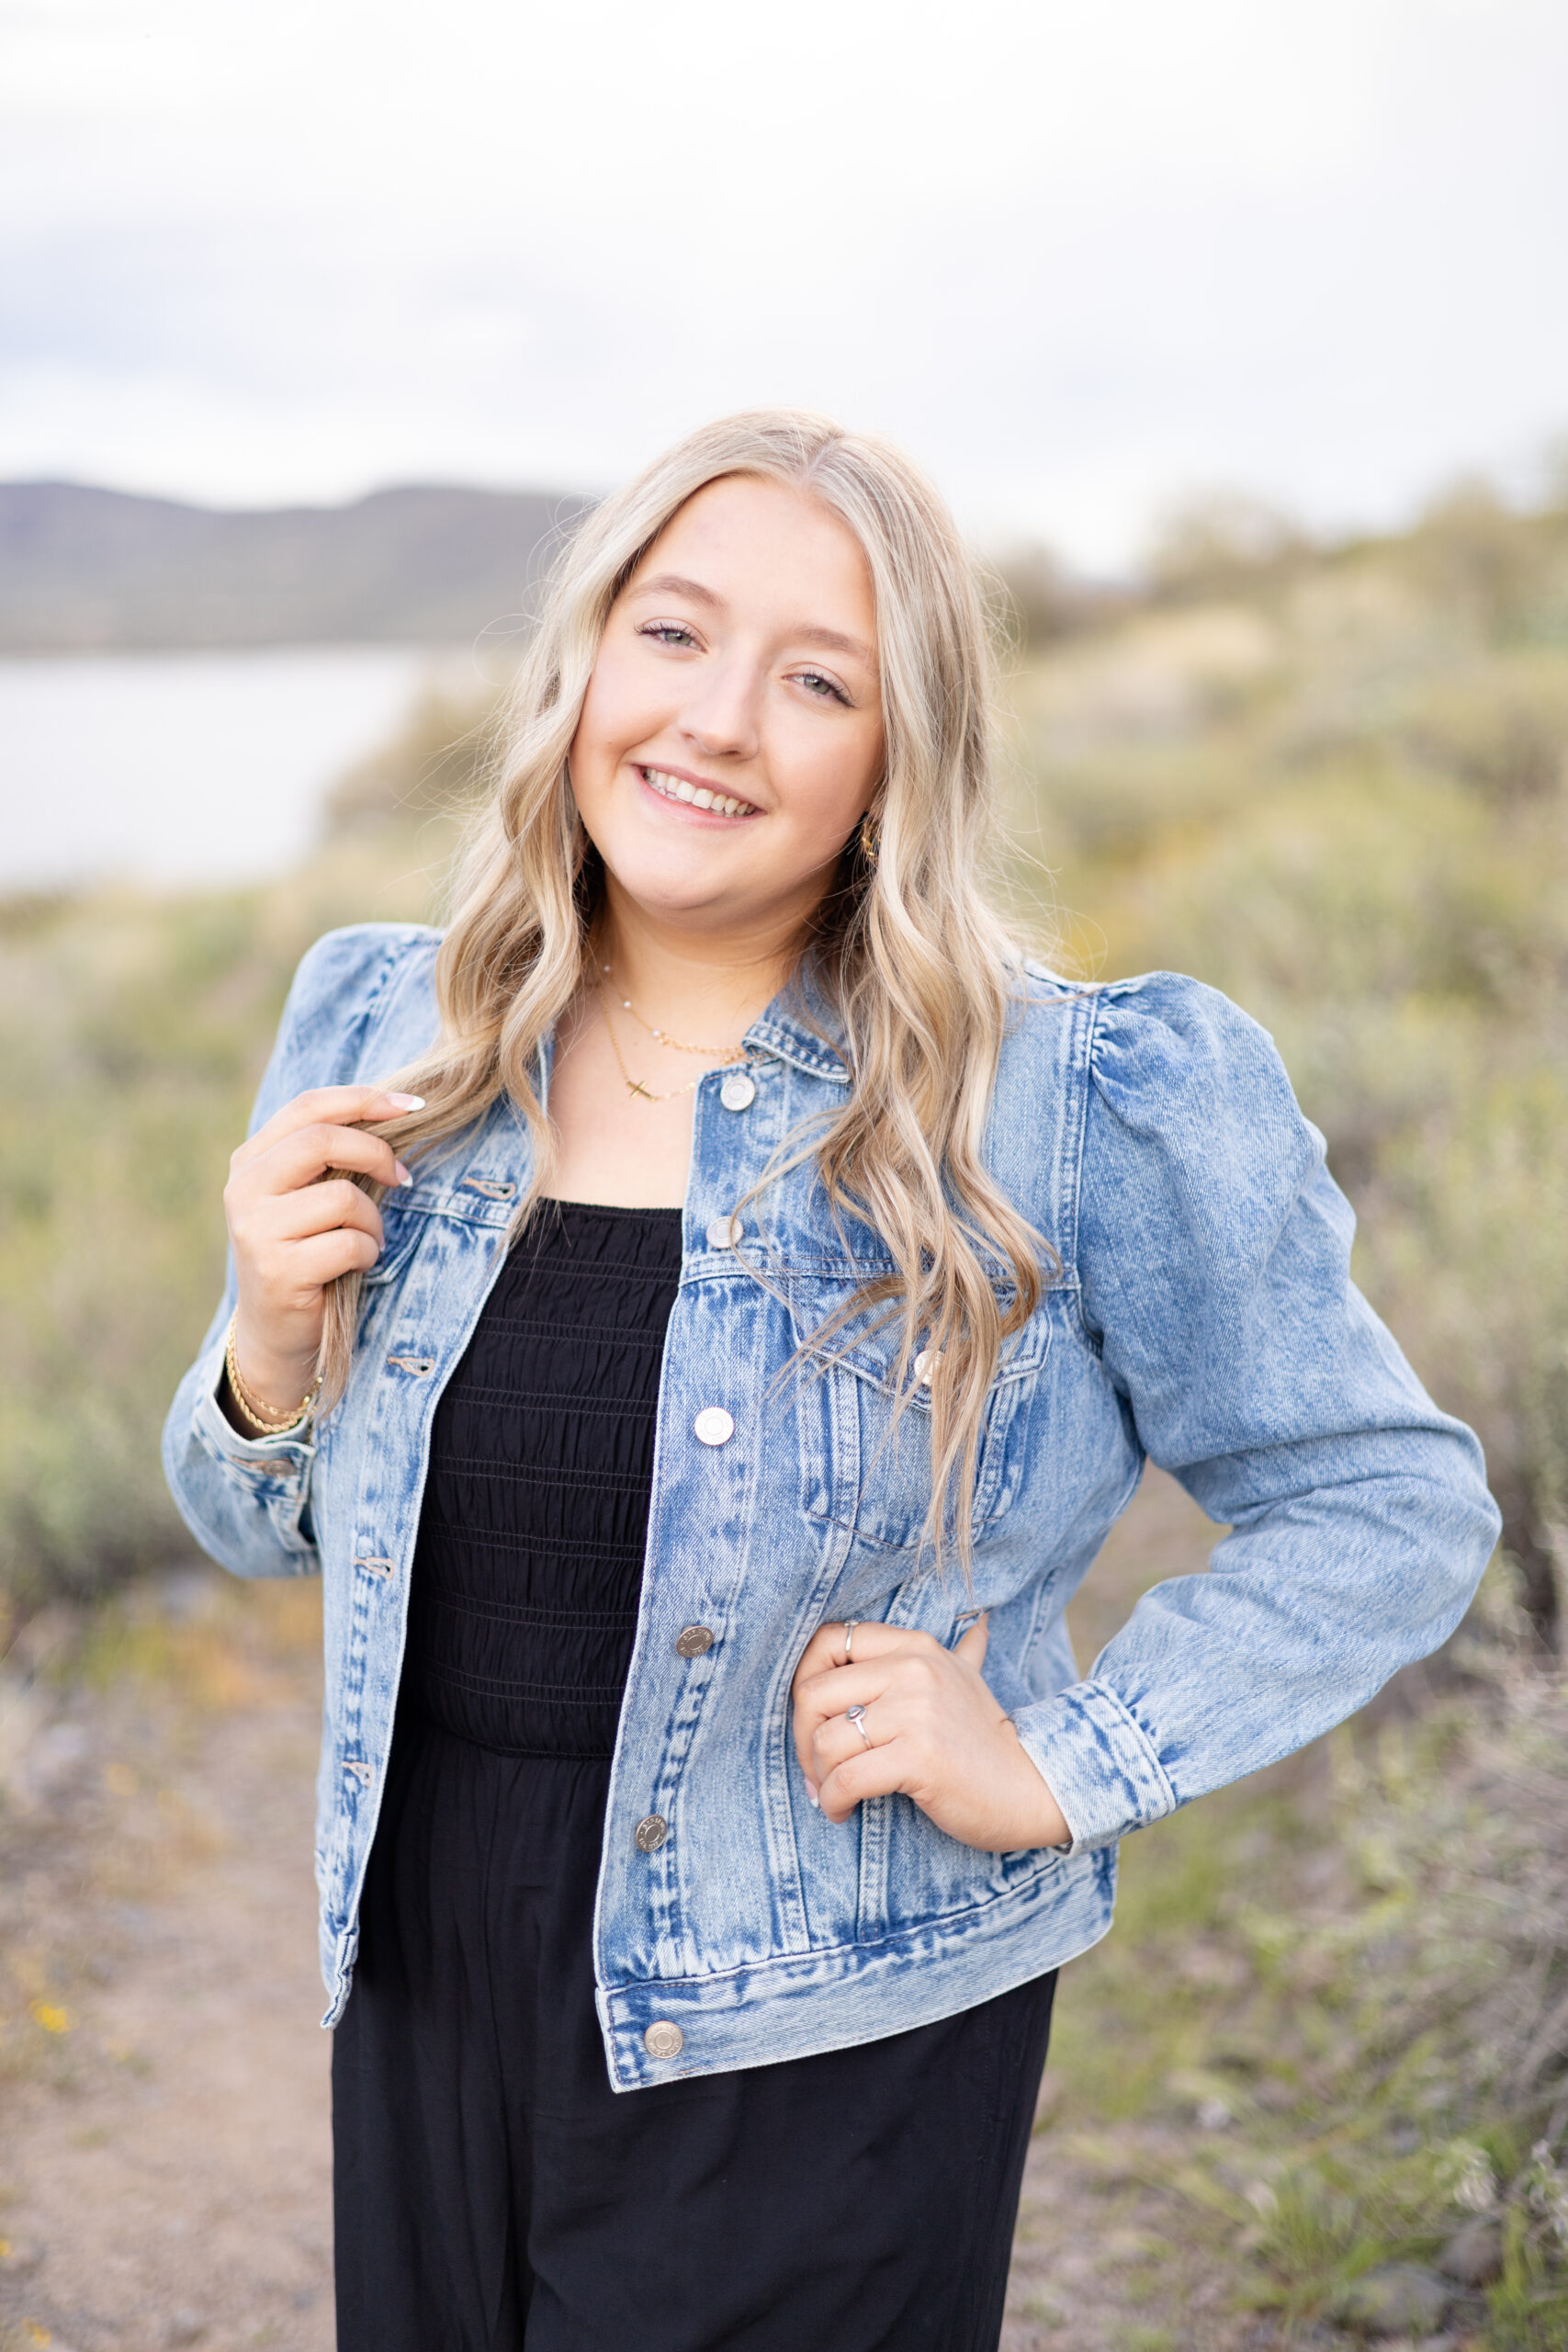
(165, 2170)
(166, 2150)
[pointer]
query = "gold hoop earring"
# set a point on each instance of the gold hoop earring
(870, 839)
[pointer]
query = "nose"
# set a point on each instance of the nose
(721, 721)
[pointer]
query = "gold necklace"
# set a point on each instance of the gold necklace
(713, 1052)
(635, 1085)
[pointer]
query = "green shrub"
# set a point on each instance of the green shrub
(132, 1033)
(1354, 821)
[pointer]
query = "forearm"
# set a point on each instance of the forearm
(1310, 1605)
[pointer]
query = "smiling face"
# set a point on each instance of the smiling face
(731, 737)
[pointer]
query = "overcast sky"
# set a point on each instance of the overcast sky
(1082, 260)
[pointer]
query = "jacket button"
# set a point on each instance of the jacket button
(664, 2038)
(724, 1232)
(713, 1426)
(925, 1367)
(650, 1833)
(692, 1641)
(739, 1091)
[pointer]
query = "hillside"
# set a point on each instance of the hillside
(86, 571)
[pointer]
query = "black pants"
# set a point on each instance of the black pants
(494, 2195)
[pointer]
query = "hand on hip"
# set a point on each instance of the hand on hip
(902, 1713)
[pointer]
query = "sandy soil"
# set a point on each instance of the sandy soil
(166, 2148)
(165, 2178)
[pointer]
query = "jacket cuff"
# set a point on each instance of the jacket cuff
(1098, 1762)
(279, 1461)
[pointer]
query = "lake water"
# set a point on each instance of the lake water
(184, 767)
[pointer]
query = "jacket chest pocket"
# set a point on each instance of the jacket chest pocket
(402, 1230)
(436, 1220)
(865, 1465)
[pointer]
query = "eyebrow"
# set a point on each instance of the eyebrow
(674, 584)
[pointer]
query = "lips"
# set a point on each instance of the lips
(695, 796)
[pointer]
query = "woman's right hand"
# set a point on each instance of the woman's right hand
(292, 1234)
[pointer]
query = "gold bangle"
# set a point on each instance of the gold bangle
(270, 1424)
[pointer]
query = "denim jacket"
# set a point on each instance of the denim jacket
(1204, 1315)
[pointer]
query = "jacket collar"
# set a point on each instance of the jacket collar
(803, 1027)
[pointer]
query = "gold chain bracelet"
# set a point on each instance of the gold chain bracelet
(270, 1424)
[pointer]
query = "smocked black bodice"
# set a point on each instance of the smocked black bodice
(531, 1537)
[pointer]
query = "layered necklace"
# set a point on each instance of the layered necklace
(635, 1087)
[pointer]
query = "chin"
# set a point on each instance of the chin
(690, 889)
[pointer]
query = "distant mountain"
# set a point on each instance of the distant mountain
(93, 571)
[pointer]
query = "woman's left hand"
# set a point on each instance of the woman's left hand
(934, 1731)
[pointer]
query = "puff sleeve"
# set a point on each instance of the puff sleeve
(1213, 1255)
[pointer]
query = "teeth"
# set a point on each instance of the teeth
(696, 796)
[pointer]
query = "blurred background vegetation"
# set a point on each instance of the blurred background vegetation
(1336, 785)
(1334, 782)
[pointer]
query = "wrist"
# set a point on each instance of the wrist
(234, 1413)
(274, 1374)
(263, 1394)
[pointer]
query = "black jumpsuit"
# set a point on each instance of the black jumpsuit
(493, 2193)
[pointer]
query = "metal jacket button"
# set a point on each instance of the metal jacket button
(650, 1833)
(724, 1232)
(713, 1426)
(739, 1091)
(664, 2038)
(692, 1641)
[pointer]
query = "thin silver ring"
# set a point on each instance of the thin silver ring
(856, 1715)
(850, 1625)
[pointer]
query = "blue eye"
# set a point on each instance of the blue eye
(668, 633)
(818, 684)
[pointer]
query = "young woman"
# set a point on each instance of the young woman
(702, 1385)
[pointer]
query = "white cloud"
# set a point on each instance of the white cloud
(1077, 258)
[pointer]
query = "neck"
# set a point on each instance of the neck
(711, 983)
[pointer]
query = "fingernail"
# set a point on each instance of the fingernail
(816, 1800)
(407, 1101)
(403, 1176)
(811, 1789)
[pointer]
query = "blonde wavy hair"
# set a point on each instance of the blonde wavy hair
(907, 949)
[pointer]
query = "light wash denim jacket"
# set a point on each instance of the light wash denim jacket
(1204, 1315)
